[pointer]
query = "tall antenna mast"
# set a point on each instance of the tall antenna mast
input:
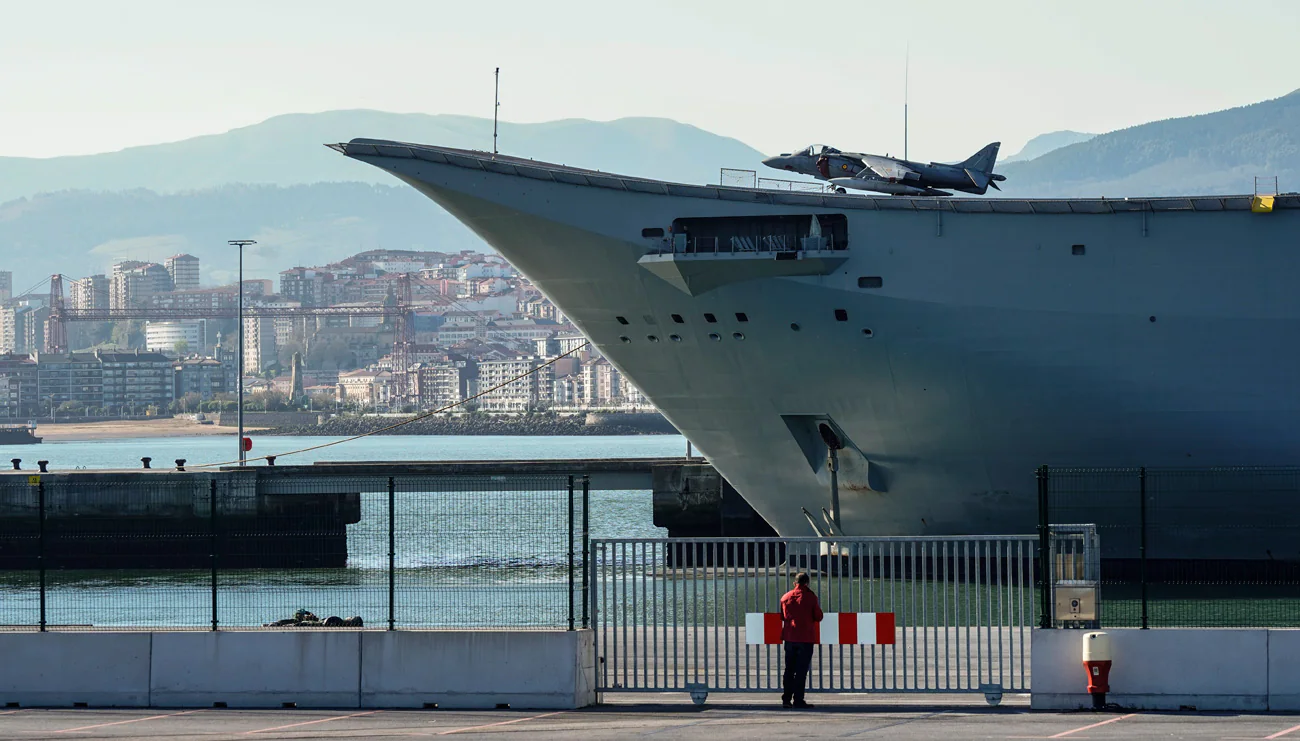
(907, 55)
(496, 104)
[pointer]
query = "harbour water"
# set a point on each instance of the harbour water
(471, 576)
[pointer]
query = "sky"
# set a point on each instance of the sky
(81, 77)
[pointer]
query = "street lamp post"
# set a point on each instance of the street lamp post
(239, 368)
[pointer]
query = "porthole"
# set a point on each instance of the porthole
(841, 315)
(1151, 318)
(678, 319)
(741, 316)
(738, 335)
(625, 339)
(652, 338)
(794, 326)
(652, 231)
(715, 337)
(711, 319)
(1077, 249)
(621, 320)
(675, 337)
(870, 281)
(867, 333)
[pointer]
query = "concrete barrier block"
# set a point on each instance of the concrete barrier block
(1284, 670)
(477, 669)
(1160, 669)
(312, 668)
(53, 669)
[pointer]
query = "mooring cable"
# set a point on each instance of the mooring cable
(416, 418)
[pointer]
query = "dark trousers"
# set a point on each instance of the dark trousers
(798, 659)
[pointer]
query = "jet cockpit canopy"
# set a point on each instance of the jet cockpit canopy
(814, 150)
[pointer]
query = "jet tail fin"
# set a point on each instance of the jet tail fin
(982, 160)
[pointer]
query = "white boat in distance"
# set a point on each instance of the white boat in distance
(950, 346)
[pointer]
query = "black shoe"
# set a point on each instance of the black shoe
(785, 704)
(801, 705)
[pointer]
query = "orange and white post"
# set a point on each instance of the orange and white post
(1097, 661)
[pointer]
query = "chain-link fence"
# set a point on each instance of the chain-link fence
(221, 552)
(1187, 547)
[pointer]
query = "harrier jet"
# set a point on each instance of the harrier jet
(898, 177)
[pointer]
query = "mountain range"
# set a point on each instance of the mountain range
(305, 204)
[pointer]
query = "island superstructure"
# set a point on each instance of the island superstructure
(952, 345)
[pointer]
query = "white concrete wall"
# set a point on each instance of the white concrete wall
(1284, 670)
(256, 669)
(1168, 669)
(99, 669)
(480, 669)
(311, 668)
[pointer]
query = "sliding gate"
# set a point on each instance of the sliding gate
(943, 614)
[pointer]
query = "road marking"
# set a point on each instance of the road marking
(1280, 734)
(502, 723)
(313, 722)
(891, 725)
(133, 720)
(1063, 734)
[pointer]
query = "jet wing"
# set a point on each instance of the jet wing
(889, 169)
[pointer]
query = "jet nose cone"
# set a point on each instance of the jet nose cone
(773, 162)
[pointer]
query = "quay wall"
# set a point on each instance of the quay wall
(309, 668)
(1173, 669)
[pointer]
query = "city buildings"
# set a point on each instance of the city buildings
(6, 285)
(532, 388)
(477, 324)
(132, 283)
(134, 380)
(71, 377)
(19, 396)
(184, 272)
(89, 293)
(206, 377)
(176, 338)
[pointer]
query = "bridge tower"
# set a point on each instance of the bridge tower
(403, 341)
(56, 327)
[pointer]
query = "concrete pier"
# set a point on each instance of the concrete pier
(275, 516)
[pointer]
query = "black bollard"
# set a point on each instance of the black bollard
(270, 460)
(145, 460)
(42, 465)
(180, 464)
(16, 461)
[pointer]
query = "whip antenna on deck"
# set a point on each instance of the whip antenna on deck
(496, 104)
(907, 58)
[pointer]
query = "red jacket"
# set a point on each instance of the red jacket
(800, 613)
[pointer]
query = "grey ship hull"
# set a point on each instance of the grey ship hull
(993, 347)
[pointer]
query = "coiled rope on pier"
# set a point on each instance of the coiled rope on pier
(416, 418)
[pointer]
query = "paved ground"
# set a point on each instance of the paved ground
(662, 716)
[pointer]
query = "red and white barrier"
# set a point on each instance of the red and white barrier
(835, 629)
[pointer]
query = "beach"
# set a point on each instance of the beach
(131, 428)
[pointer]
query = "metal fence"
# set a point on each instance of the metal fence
(223, 552)
(671, 614)
(1187, 547)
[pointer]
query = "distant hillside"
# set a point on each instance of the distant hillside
(80, 232)
(287, 150)
(1044, 143)
(304, 203)
(1219, 152)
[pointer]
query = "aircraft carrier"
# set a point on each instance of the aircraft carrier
(950, 345)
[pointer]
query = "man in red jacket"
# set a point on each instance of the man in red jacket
(800, 614)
